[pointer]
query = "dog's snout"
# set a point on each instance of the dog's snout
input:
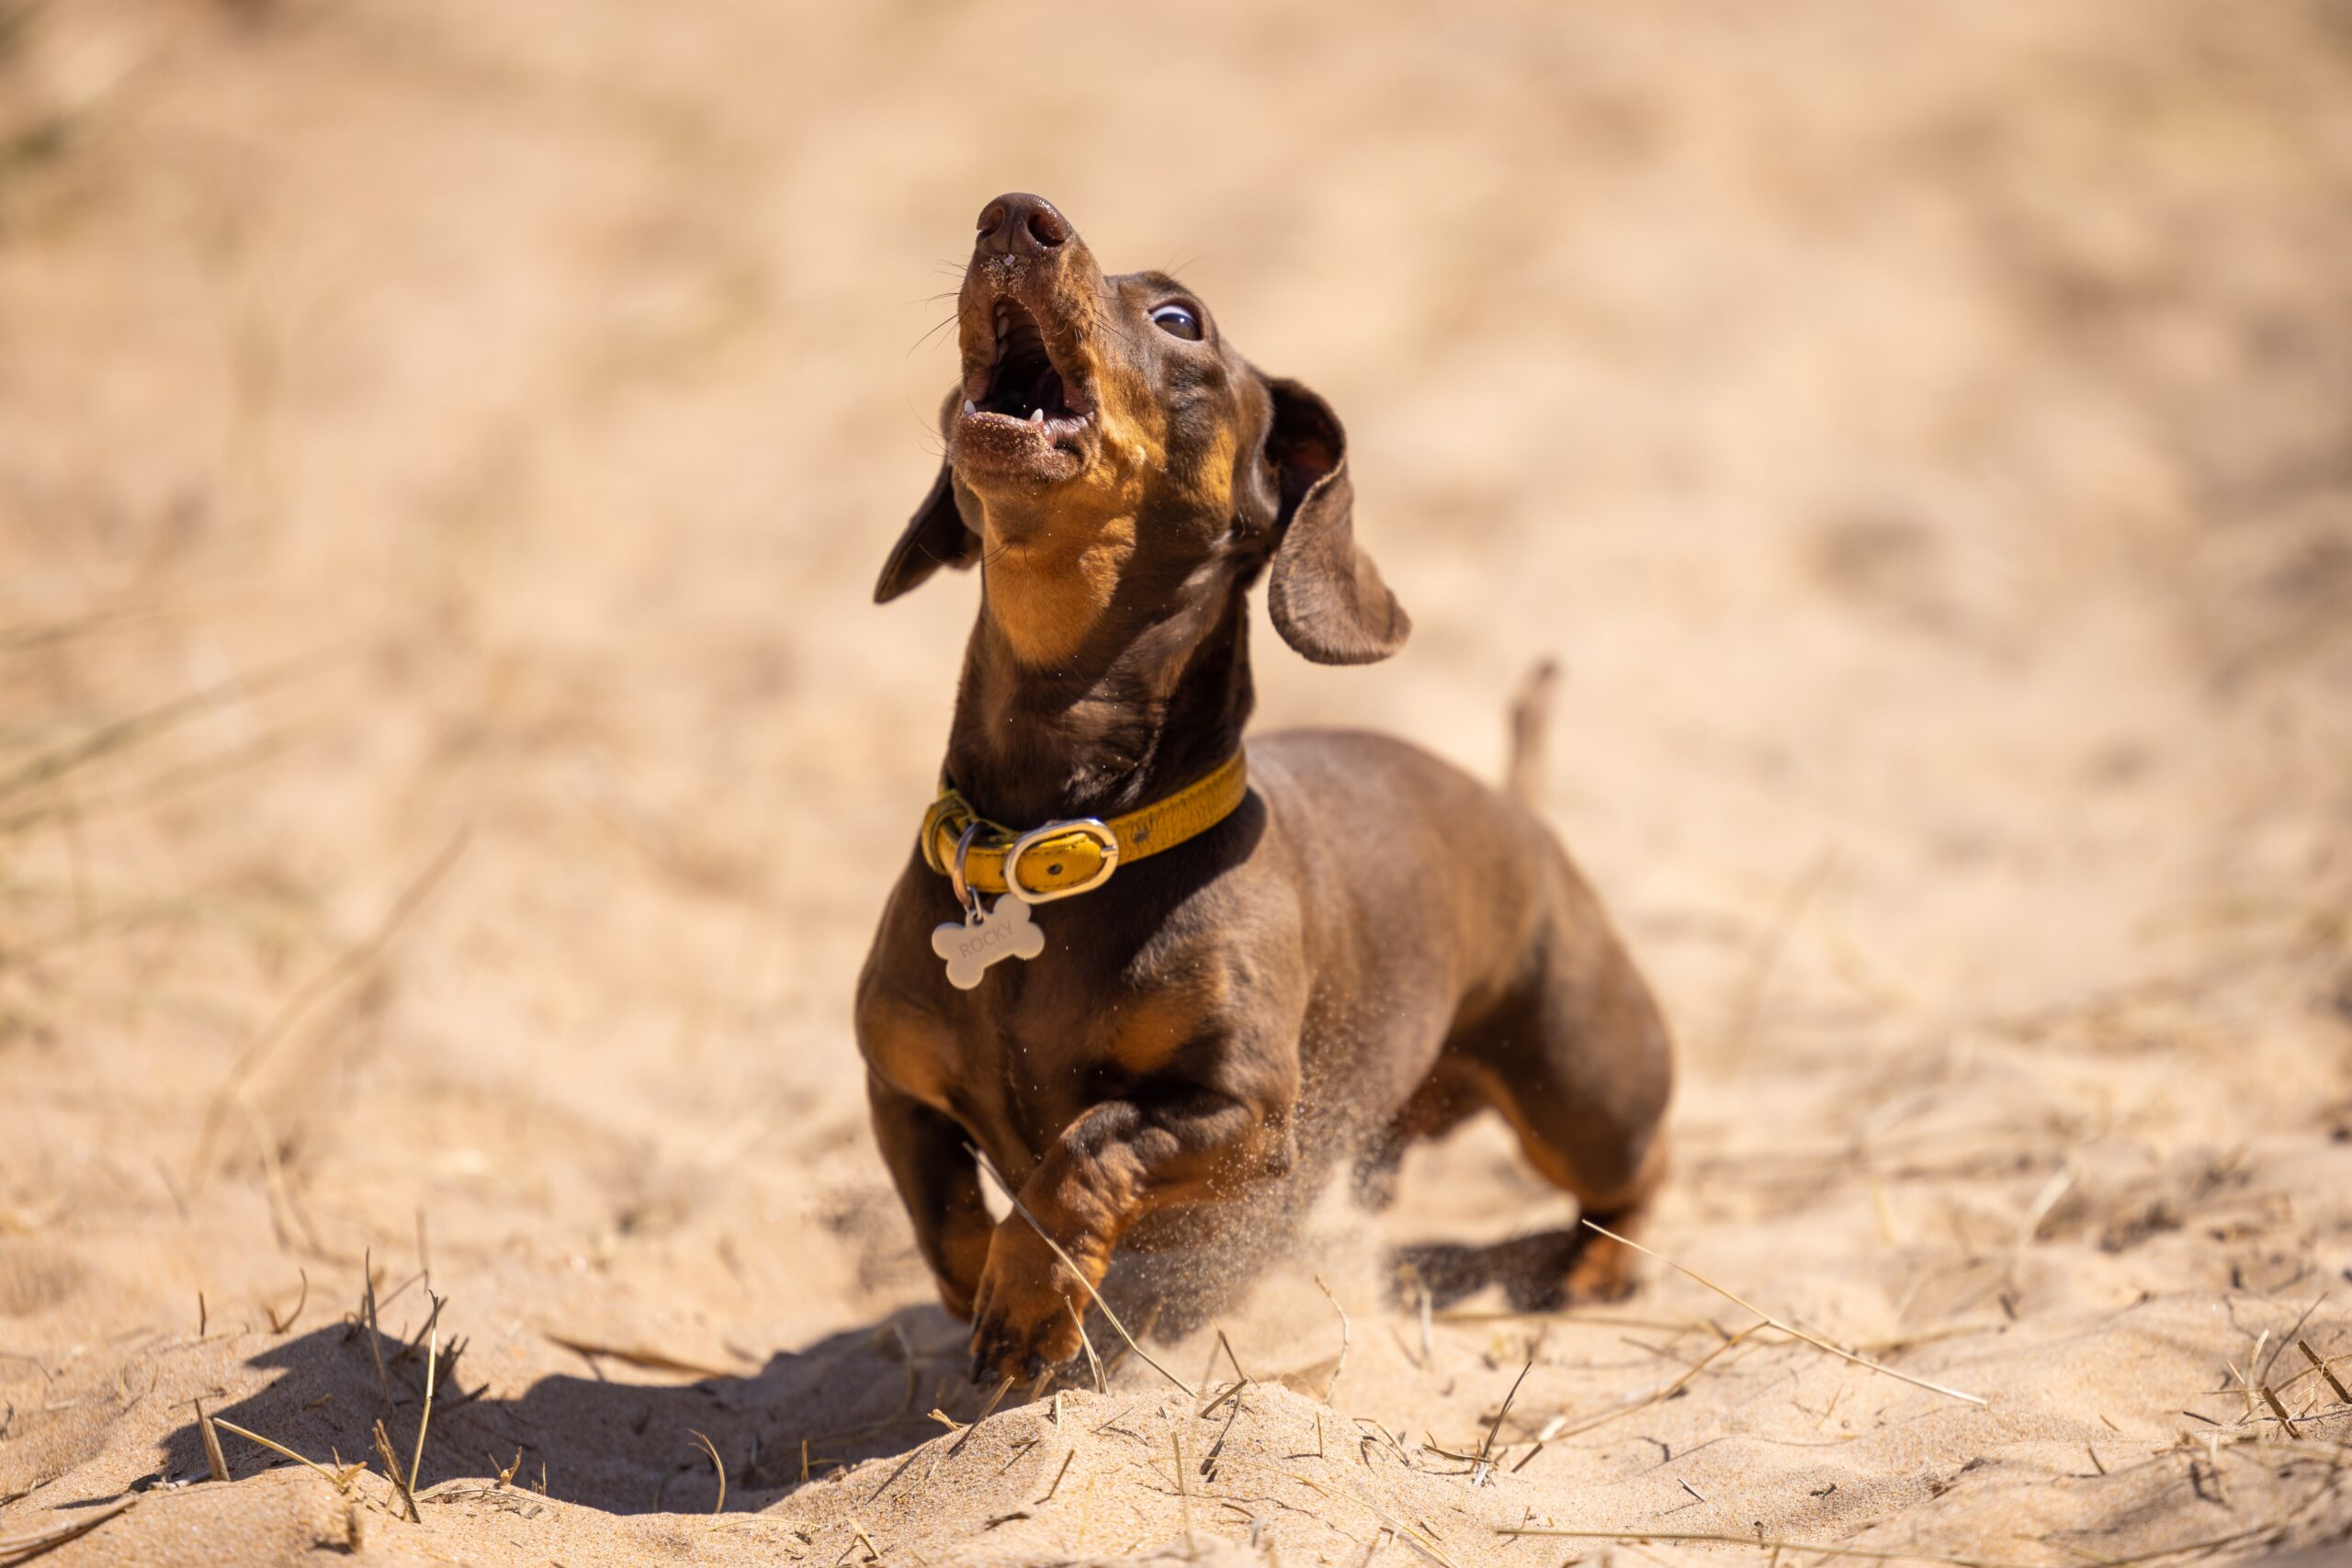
(1020, 224)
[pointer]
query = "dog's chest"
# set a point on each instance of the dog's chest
(1059, 1040)
(1035, 1047)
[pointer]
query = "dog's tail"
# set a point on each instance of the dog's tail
(1531, 718)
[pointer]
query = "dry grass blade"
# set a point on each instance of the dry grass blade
(1767, 1543)
(368, 1325)
(283, 1216)
(1093, 1362)
(214, 1461)
(1229, 1394)
(1057, 1487)
(1226, 1345)
(163, 787)
(1611, 1319)
(351, 964)
(393, 1466)
(277, 1325)
(651, 1360)
(1661, 1395)
(1794, 902)
(1183, 1494)
(1762, 1543)
(2052, 1192)
(1792, 1330)
(1340, 1365)
(2293, 1334)
(1208, 1460)
(2279, 1410)
(1395, 1527)
(24, 1548)
(30, 635)
(718, 1466)
(1076, 1272)
(2321, 1367)
(106, 738)
(995, 1398)
(1486, 1449)
(904, 1465)
(340, 1483)
(425, 1416)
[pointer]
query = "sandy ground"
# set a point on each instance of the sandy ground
(444, 745)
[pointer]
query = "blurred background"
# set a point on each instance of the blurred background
(446, 450)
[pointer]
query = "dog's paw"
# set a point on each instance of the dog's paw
(1026, 1315)
(1603, 1272)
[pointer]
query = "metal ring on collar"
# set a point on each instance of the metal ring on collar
(955, 870)
(1093, 828)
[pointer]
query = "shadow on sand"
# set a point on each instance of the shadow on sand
(1530, 1270)
(626, 1446)
(622, 1437)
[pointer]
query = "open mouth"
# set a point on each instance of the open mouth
(1023, 384)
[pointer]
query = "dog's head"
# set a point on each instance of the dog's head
(1106, 437)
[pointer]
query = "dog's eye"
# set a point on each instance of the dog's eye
(1177, 320)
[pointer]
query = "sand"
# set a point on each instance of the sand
(449, 768)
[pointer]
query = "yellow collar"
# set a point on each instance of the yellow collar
(1078, 855)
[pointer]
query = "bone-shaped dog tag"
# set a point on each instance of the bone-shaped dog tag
(973, 943)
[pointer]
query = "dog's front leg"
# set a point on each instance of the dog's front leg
(931, 1162)
(1113, 1165)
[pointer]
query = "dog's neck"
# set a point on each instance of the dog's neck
(1154, 697)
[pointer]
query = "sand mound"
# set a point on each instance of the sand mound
(283, 1518)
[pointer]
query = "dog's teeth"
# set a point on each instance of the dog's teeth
(970, 407)
(1036, 416)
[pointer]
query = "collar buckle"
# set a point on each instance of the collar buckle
(1093, 828)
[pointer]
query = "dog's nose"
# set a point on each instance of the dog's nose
(1019, 224)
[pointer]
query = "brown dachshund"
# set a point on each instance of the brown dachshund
(1265, 964)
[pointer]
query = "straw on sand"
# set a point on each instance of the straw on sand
(353, 962)
(1788, 1328)
(15, 1548)
(425, 1417)
(718, 1467)
(341, 1483)
(214, 1463)
(1342, 1364)
(392, 1465)
(1874, 1554)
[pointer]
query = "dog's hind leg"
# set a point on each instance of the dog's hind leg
(1580, 1066)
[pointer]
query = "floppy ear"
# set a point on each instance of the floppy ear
(934, 537)
(1325, 594)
